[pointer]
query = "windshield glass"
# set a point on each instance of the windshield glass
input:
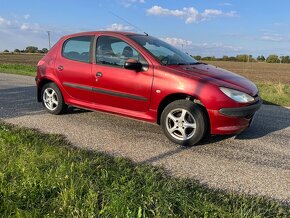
(166, 54)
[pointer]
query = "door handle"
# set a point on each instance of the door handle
(60, 68)
(99, 74)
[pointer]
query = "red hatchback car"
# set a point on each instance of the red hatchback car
(142, 77)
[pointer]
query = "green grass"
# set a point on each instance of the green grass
(20, 69)
(43, 175)
(275, 93)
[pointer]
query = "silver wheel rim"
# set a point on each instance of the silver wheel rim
(180, 124)
(50, 99)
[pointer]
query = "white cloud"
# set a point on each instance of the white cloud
(204, 49)
(177, 41)
(226, 4)
(31, 27)
(24, 26)
(274, 37)
(214, 49)
(128, 3)
(231, 14)
(4, 22)
(26, 16)
(191, 15)
(157, 10)
(118, 27)
(8, 25)
(214, 46)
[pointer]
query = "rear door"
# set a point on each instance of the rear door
(113, 84)
(74, 67)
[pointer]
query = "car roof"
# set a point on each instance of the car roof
(102, 32)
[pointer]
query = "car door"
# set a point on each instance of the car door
(116, 86)
(74, 67)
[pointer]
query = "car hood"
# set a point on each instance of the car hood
(218, 76)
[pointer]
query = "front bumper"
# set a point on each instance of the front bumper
(232, 120)
(241, 111)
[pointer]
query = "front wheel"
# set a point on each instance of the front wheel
(52, 99)
(184, 122)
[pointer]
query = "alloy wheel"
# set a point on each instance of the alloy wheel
(180, 124)
(50, 99)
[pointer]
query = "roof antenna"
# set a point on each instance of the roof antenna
(128, 22)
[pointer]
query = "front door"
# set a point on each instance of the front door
(116, 86)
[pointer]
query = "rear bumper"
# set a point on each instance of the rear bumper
(232, 120)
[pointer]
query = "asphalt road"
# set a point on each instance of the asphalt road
(255, 162)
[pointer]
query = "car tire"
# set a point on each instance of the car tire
(52, 99)
(184, 122)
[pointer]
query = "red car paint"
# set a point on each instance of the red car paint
(141, 95)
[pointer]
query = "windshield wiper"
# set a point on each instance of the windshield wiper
(179, 64)
(197, 63)
(193, 63)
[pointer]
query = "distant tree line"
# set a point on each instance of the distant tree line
(239, 58)
(29, 49)
(247, 58)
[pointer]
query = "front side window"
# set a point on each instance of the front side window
(77, 48)
(115, 52)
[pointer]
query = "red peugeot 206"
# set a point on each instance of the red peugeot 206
(142, 77)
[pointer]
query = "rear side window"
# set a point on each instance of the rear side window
(77, 48)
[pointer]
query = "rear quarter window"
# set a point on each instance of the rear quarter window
(77, 48)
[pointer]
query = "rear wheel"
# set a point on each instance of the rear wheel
(184, 122)
(52, 99)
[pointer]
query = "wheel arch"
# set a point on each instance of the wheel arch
(40, 86)
(178, 96)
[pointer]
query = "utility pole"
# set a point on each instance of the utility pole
(48, 34)
(281, 56)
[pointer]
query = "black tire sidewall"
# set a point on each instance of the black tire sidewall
(198, 114)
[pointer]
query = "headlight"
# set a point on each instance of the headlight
(237, 95)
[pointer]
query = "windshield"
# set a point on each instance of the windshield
(163, 52)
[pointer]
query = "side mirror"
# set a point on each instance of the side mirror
(131, 64)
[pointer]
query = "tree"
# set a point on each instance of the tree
(245, 58)
(31, 49)
(285, 59)
(6, 51)
(197, 57)
(261, 58)
(225, 58)
(209, 58)
(232, 58)
(17, 51)
(44, 50)
(273, 59)
(242, 58)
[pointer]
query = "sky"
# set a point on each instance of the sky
(206, 28)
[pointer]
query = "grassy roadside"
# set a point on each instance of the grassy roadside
(42, 175)
(272, 93)
(275, 93)
(20, 69)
